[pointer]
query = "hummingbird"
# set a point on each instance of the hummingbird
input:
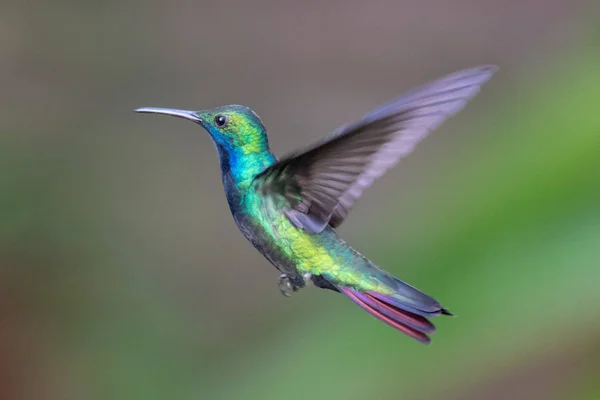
(289, 208)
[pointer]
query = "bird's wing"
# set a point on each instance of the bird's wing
(321, 184)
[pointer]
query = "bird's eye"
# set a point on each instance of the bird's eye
(220, 120)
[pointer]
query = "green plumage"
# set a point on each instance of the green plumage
(288, 208)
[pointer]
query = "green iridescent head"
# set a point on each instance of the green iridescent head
(232, 128)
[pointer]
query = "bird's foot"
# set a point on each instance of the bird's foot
(286, 286)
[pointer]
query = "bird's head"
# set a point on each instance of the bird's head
(232, 128)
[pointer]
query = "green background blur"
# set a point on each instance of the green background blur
(123, 276)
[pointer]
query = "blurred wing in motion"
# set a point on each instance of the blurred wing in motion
(321, 184)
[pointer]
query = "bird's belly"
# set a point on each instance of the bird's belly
(293, 251)
(296, 253)
(263, 241)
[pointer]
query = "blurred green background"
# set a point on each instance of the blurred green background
(123, 276)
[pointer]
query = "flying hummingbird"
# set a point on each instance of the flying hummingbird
(289, 208)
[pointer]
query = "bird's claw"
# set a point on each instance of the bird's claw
(286, 286)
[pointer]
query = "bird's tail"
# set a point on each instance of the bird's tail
(406, 310)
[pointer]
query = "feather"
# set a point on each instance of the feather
(413, 325)
(324, 182)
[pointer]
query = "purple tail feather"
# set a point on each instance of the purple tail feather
(387, 309)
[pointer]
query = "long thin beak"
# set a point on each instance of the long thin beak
(189, 115)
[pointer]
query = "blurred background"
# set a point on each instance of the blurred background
(123, 276)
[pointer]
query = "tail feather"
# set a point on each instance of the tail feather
(389, 310)
(411, 307)
(413, 320)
